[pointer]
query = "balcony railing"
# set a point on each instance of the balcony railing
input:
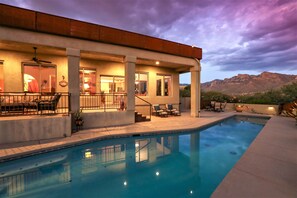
(104, 101)
(20, 103)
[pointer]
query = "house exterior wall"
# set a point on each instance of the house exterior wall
(12, 68)
(13, 79)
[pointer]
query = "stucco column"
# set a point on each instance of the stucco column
(195, 89)
(130, 82)
(73, 56)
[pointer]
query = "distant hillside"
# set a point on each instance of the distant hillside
(243, 84)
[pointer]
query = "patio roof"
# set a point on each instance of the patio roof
(45, 23)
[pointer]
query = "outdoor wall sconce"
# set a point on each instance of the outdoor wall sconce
(63, 83)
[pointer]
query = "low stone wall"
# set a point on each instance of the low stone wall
(105, 119)
(22, 129)
(255, 108)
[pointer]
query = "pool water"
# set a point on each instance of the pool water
(190, 164)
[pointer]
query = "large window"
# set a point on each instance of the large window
(1, 77)
(39, 77)
(164, 84)
(87, 79)
(112, 84)
(141, 84)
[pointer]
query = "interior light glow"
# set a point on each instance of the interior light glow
(86, 86)
(270, 108)
(136, 145)
(157, 62)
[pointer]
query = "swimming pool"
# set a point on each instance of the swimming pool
(190, 164)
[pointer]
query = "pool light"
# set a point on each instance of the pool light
(125, 183)
(88, 154)
(157, 173)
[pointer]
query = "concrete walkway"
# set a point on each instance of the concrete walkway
(267, 169)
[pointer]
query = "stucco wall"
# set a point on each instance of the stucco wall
(104, 119)
(255, 108)
(252, 108)
(12, 68)
(34, 128)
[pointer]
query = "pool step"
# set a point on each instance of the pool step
(140, 118)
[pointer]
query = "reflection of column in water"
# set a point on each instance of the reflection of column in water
(130, 153)
(195, 156)
(152, 147)
(175, 144)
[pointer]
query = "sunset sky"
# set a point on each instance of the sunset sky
(237, 36)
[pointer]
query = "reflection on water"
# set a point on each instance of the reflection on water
(188, 165)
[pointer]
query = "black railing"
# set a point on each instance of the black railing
(142, 106)
(20, 103)
(104, 101)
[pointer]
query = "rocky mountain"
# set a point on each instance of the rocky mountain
(243, 84)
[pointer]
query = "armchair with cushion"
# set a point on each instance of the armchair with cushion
(171, 110)
(50, 104)
(157, 111)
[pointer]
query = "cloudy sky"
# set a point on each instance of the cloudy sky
(237, 36)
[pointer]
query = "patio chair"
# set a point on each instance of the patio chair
(217, 107)
(171, 110)
(223, 106)
(157, 111)
(49, 105)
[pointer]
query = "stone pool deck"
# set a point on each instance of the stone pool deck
(267, 169)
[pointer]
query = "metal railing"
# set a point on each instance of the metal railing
(142, 106)
(104, 101)
(22, 103)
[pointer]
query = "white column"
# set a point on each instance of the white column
(195, 90)
(130, 82)
(73, 56)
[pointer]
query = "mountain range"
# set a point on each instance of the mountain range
(244, 84)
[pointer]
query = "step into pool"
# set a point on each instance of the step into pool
(186, 164)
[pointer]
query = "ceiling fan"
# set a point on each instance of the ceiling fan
(37, 60)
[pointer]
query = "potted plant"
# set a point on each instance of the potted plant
(238, 108)
(78, 119)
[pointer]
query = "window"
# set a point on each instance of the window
(141, 84)
(87, 79)
(112, 84)
(1, 77)
(163, 85)
(39, 78)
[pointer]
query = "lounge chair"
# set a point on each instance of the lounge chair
(171, 110)
(217, 107)
(211, 106)
(223, 106)
(157, 111)
(49, 105)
